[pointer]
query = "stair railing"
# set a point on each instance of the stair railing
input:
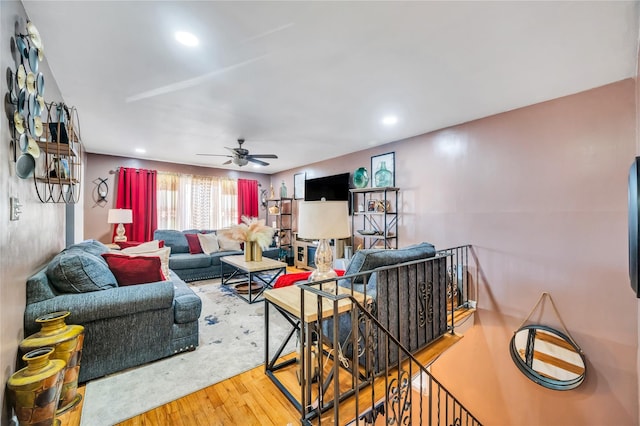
(361, 368)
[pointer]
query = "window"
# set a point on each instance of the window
(196, 202)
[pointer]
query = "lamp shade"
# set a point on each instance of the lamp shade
(323, 219)
(120, 216)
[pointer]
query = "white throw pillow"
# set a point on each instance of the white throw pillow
(163, 253)
(209, 243)
(227, 244)
(142, 248)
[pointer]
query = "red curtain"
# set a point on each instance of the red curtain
(137, 191)
(247, 198)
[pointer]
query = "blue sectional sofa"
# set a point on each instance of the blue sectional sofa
(200, 266)
(124, 326)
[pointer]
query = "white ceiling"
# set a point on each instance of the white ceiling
(312, 80)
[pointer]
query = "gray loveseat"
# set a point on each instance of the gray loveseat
(394, 301)
(200, 266)
(124, 326)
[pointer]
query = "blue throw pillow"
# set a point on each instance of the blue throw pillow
(79, 272)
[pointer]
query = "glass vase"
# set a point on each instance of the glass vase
(383, 176)
(361, 178)
(34, 391)
(67, 341)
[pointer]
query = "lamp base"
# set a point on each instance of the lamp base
(120, 237)
(324, 261)
(319, 275)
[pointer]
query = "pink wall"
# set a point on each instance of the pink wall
(541, 194)
(97, 165)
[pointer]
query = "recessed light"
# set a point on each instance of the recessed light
(141, 150)
(187, 39)
(390, 120)
(257, 166)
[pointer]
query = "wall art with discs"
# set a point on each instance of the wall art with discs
(44, 142)
(24, 101)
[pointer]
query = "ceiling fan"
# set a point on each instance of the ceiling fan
(241, 156)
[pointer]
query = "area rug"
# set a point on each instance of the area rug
(231, 342)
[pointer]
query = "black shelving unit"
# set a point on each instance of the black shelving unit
(374, 221)
(284, 221)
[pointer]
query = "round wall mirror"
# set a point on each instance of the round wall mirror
(548, 357)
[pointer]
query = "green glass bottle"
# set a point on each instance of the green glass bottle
(383, 176)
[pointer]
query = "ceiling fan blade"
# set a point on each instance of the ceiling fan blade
(262, 156)
(216, 155)
(253, 160)
(226, 162)
(234, 150)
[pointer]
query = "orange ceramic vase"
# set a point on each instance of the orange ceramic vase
(67, 342)
(34, 391)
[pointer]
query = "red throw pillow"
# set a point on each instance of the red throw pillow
(194, 243)
(130, 270)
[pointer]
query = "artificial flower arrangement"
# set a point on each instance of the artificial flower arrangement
(251, 229)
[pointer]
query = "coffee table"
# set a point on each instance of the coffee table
(251, 276)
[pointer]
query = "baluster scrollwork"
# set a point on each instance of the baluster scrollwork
(398, 400)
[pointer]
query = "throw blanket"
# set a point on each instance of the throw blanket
(290, 279)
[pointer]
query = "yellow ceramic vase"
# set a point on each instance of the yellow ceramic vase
(67, 342)
(248, 251)
(257, 252)
(34, 391)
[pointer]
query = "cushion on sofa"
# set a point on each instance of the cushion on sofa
(172, 238)
(93, 247)
(209, 243)
(76, 271)
(130, 270)
(140, 247)
(130, 244)
(194, 243)
(147, 250)
(369, 259)
(189, 261)
(227, 244)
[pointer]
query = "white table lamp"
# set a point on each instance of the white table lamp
(323, 220)
(120, 216)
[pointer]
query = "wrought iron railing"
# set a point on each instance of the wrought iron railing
(363, 367)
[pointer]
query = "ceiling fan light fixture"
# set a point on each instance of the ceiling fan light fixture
(240, 161)
(187, 38)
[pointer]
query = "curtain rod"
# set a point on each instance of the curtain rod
(117, 169)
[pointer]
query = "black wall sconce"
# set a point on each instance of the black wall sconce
(102, 190)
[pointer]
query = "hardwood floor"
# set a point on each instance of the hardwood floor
(250, 398)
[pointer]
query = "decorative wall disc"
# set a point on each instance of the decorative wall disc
(34, 35)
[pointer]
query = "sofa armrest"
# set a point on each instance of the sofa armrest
(97, 305)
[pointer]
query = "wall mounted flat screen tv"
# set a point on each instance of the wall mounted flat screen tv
(332, 188)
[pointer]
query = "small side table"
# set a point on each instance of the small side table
(247, 272)
(287, 301)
